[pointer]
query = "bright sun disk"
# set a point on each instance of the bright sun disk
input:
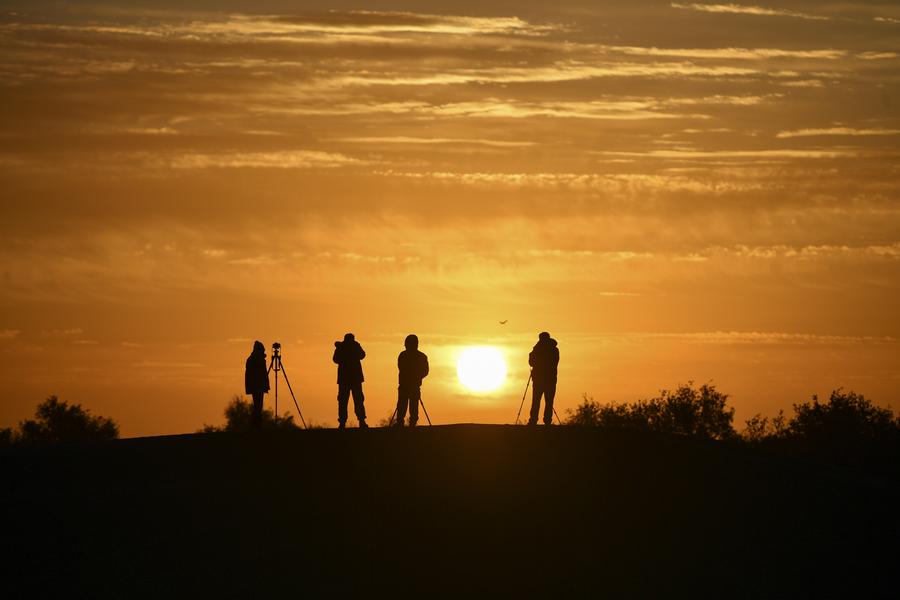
(481, 368)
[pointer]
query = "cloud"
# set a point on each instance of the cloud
(8, 334)
(877, 55)
(731, 53)
(558, 72)
(767, 338)
(780, 153)
(742, 9)
(367, 22)
(287, 159)
(841, 131)
(429, 141)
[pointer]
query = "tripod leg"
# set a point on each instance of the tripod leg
(525, 393)
(422, 402)
(558, 420)
(283, 372)
(393, 416)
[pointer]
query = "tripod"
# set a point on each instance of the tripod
(525, 393)
(277, 365)
(394, 414)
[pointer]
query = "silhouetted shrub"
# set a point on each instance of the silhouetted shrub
(697, 412)
(239, 417)
(759, 428)
(846, 416)
(57, 421)
(847, 428)
(6, 437)
(587, 414)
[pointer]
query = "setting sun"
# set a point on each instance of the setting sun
(481, 368)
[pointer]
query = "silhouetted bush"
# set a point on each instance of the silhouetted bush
(6, 437)
(697, 412)
(57, 421)
(760, 428)
(239, 417)
(847, 428)
(846, 416)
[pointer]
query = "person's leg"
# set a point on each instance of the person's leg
(343, 399)
(359, 406)
(549, 395)
(415, 396)
(402, 401)
(535, 403)
(256, 420)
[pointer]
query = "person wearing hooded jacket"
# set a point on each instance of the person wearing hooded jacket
(347, 356)
(256, 380)
(412, 366)
(544, 360)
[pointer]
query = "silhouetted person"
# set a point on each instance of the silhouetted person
(413, 368)
(347, 356)
(544, 359)
(256, 380)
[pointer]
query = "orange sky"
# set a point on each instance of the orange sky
(676, 191)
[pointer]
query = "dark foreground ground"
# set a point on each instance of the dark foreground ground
(449, 511)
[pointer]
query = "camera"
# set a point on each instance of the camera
(276, 348)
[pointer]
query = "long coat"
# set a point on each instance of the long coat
(544, 359)
(347, 356)
(256, 374)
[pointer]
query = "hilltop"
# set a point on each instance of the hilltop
(459, 509)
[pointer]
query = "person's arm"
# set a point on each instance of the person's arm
(531, 359)
(424, 366)
(336, 357)
(362, 353)
(555, 356)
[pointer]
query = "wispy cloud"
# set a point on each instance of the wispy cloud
(287, 159)
(767, 338)
(873, 55)
(837, 131)
(779, 153)
(368, 22)
(742, 9)
(561, 71)
(8, 334)
(430, 141)
(731, 53)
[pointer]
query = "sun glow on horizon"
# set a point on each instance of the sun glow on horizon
(481, 368)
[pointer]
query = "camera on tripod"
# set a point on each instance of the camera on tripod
(277, 366)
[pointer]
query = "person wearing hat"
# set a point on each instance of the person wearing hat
(544, 360)
(413, 367)
(347, 356)
(256, 380)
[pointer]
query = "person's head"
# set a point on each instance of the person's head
(258, 347)
(348, 337)
(544, 336)
(411, 342)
